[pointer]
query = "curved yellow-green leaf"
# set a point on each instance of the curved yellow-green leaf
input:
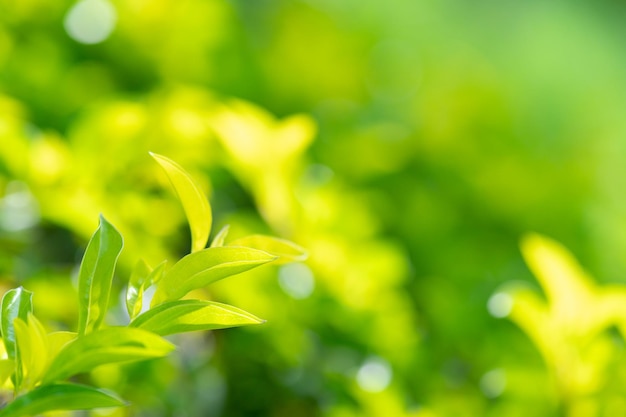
(202, 268)
(567, 285)
(106, 346)
(57, 341)
(16, 303)
(7, 367)
(134, 292)
(141, 279)
(532, 314)
(96, 276)
(32, 351)
(285, 250)
(156, 275)
(218, 240)
(195, 203)
(192, 315)
(60, 397)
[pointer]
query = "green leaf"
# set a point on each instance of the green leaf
(195, 204)
(191, 315)
(218, 240)
(141, 279)
(60, 397)
(32, 351)
(16, 303)
(106, 346)
(96, 275)
(202, 268)
(285, 250)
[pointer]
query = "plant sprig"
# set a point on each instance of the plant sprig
(38, 364)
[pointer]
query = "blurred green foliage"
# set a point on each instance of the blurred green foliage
(408, 145)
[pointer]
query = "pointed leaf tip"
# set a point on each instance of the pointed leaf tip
(557, 270)
(194, 202)
(96, 275)
(16, 303)
(192, 315)
(218, 240)
(202, 268)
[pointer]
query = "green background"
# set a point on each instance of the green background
(431, 136)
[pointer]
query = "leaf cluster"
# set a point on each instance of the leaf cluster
(37, 364)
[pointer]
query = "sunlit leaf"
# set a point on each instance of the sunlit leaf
(254, 137)
(16, 303)
(218, 240)
(60, 397)
(565, 282)
(134, 293)
(610, 307)
(285, 250)
(32, 351)
(532, 314)
(57, 341)
(7, 367)
(156, 275)
(195, 203)
(202, 268)
(141, 279)
(191, 315)
(96, 275)
(106, 346)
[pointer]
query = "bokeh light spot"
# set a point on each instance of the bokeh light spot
(18, 209)
(296, 280)
(374, 375)
(90, 21)
(493, 383)
(500, 305)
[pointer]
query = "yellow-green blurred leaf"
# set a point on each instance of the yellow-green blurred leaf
(7, 367)
(566, 284)
(531, 313)
(192, 315)
(57, 341)
(60, 397)
(202, 268)
(96, 275)
(32, 351)
(194, 202)
(106, 346)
